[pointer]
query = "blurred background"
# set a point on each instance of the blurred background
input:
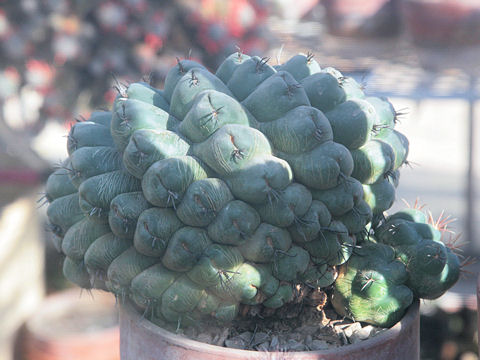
(60, 58)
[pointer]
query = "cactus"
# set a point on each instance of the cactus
(370, 287)
(432, 266)
(230, 190)
(407, 259)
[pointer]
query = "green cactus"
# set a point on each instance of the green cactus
(352, 122)
(229, 65)
(59, 184)
(407, 260)
(372, 161)
(379, 195)
(301, 66)
(431, 266)
(88, 134)
(64, 212)
(299, 130)
(232, 189)
(101, 253)
(155, 227)
(165, 182)
(147, 146)
(125, 210)
(97, 192)
(248, 76)
(324, 90)
(86, 162)
(371, 286)
(147, 94)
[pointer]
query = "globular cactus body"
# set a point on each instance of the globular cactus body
(231, 190)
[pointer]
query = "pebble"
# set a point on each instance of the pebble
(354, 339)
(319, 345)
(274, 344)
(307, 329)
(259, 338)
(246, 336)
(355, 327)
(308, 340)
(191, 333)
(263, 346)
(295, 336)
(294, 345)
(361, 334)
(205, 338)
(235, 343)
(469, 356)
(343, 338)
(365, 332)
(319, 332)
(219, 339)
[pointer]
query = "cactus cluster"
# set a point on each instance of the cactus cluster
(234, 188)
(405, 259)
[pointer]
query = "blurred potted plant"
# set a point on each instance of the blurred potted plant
(22, 255)
(442, 22)
(69, 326)
(21, 261)
(374, 18)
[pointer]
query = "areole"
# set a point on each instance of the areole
(142, 340)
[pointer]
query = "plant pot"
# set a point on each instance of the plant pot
(478, 311)
(372, 18)
(141, 340)
(442, 22)
(21, 262)
(68, 326)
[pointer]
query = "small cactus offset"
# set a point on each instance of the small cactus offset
(406, 258)
(232, 189)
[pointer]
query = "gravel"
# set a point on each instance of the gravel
(312, 329)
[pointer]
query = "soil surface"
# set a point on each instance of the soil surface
(299, 327)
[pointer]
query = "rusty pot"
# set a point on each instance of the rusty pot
(442, 22)
(68, 326)
(372, 18)
(141, 340)
(478, 311)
